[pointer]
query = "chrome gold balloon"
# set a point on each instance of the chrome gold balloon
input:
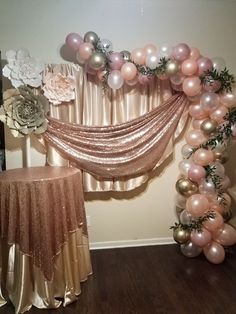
(186, 187)
(222, 157)
(97, 61)
(209, 126)
(181, 236)
(172, 67)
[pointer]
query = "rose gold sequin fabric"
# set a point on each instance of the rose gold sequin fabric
(39, 208)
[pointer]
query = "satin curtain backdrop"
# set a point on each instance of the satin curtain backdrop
(129, 108)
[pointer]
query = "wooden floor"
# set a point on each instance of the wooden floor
(154, 279)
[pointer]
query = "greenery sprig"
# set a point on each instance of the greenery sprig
(226, 80)
(194, 225)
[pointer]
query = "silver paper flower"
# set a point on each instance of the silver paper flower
(24, 112)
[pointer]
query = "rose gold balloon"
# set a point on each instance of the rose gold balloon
(138, 56)
(226, 235)
(214, 252)
(197, 112)
(128, 71)
(196, 123)
(203, 157)
(189, 67)
(194, 53)
(201, 238)
(85, 51)
(197, 205)
(195, 138)
(214, 223)
(229, 99)
(192, 86)
(219, 113)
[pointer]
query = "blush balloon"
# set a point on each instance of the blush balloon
(189, 67)
(213, 224)
(195, 138)
(138, 56)
(219, 114)
(197, 205)
(128, 71)
(192, 86)
(201, 238)
(226, 235)
(197, 112)
(214, 252)
(203, 157)
(196, 173)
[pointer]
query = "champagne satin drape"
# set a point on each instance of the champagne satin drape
(93, 107)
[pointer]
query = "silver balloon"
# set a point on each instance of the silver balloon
(190, 249)
(185, 217)
(91, 37)
(105, 45)
(97, 61)
(126, 55)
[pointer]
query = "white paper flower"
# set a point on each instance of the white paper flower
(22, 69)
(59, 88)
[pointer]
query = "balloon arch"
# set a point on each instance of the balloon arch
(202, 185)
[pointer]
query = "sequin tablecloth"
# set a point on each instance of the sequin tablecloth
(44, 239)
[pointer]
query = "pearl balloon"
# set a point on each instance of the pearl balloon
(186, 150)
(197, 205)
(207, 187)
(190, 249)
(209, 101)
(214, 252)
(218, 64)
(152, 61)
(185, 217)
(150, 49)
(184, 166)
(115, 80)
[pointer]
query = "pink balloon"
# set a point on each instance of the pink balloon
(229, 99)
(116, 60)
(192, 86)
(226, 235)
(197, 112)
(138, 56)
(209, 101)
(181, 52)
(194, 53)
(203, 157)
(204, 64)
(214, 223)
(195, 138)
(74, 41)
(219, 113)
(201, 238)
(115, 79)
(189, 67)
(214, 252)
(197, 205)
(85, 51)
(196, 173)
(128, 71)
(150, 49)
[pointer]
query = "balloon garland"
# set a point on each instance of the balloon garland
(202, 185)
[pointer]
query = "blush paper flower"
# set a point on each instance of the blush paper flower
(23, 112)
(59, 88)
(22, 69)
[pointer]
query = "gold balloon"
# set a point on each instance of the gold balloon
(209, 126)
(186, 187)
(97, 61)
(181, 236)
(222, 157)
(172, 67)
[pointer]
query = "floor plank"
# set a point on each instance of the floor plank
(154, 279)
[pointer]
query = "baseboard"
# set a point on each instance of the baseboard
(130, 243)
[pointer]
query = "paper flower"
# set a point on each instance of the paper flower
(24, 112)
(59, 88)
(22, 69)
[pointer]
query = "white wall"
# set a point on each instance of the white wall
(42, 25)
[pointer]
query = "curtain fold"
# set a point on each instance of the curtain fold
(128, 109)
